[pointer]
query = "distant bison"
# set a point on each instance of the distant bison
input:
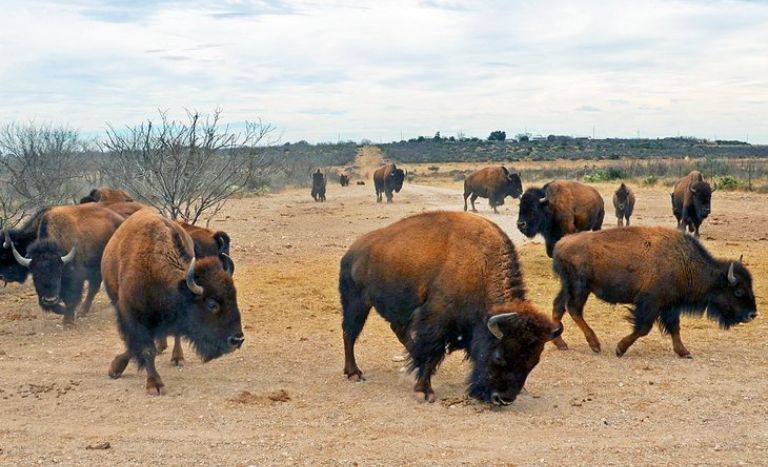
(691, 201)
(494, 183)
(388, 179)
(360, 182)
(318, 186)
(559, 208)
(662, 272)
(67, 252)
(159, 288)
(343, 180)
(105, 194)
(446, 281)
(624, 203)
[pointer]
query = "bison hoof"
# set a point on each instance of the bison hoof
(619, 351)
(117, 367)
(595, 348)
(355, 376)
(422, 396)
(177, 362)
(155, 388)
(684, 354)
(560, 343)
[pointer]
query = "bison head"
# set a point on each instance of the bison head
(10, 269)
(508, 351)
(532, 216)
(396, 178)
(212, 321)
(701, 197)
(513, 185)
(48, 263)
(732, 301)
(622, 193)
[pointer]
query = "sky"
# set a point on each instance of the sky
(383, 70)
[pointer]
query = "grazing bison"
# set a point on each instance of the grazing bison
(104, 194)
(318, 186)
(343, 180)
(67, 252)
(691, 200)
(624, 203)
(494, 183)
(158, 289)
(21, 238)
(446, 281)
(388, 179)
(662, 272)
(559, 208)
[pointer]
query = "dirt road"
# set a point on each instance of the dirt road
(282, 398)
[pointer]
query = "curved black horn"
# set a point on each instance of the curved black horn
(71, 255)
(494, 321)
(193, 287)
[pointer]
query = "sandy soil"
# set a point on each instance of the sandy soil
(282, 399)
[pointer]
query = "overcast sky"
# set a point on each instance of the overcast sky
(326, 70)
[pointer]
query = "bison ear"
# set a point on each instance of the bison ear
(557, 332)
(506, 172)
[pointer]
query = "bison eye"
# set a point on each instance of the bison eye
(739, 292)
(212, 305)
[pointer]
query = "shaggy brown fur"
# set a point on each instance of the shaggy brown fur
(105, 194)
(124, 208)
(691, 201)
(386, 180)
(623, 203)
(494, 183)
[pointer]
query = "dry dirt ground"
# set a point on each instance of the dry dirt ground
(282, 398)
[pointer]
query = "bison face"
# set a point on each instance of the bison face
(732, 300)
(514, 186)
(47, 263)
(213, 317)
(621, 197)
(396, 178)
(10, 269)
(532, 215)
(515, 340)
(701, 197)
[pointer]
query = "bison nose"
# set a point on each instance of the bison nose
(753, 315)
(236, 340)
(520, 224)
(498, 400)
(50, 300)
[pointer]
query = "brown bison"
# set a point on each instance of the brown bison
(494, 183)
(66, 252)
(624, 203)
(446, 281)
(158, 289)
(691, 200)
(388, 179)
(104, 194)
(318, 186)
(124, 208)
(662, 272)
(344, 180)
(559, 208)
(360, 182)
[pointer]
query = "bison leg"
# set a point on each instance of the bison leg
(378, 196)
(354, 313)
(389, 196)
(577, 299)
(155, 384)
(644, 315)
(161, 343)
(71, 294)
(627, 221)
(670, 322)
(625, 343)
(427, 350)
(620, 222)
(466, 195)
(94, 283)
(118, 364)
(558, 310)
(473, 199)
(177, 356)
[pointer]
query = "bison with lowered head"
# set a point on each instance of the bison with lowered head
(691, 201)
(446, 281)
(624, 203)
(388, 179)
(662, 272)
(158, 288)
(494, 183)
(318, 186)
(66, 252)
(559, 208)
(105, 194)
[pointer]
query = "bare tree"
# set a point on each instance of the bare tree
(186, 169)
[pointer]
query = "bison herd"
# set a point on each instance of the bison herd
(444, 281)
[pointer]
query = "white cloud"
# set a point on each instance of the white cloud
(374, 69)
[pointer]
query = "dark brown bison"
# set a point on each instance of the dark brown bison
(318, 186)
(22, 237)
(158, 289)
(360, 182)
(624, 203)
(494, 183)
(388, 179)
(67, 252)
(104, 194)
(662, 272)
(691, 201)
(343, 180)
(559, 208)
(446, 281)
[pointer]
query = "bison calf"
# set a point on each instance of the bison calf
(623, 203)
(158, 289)
(494, 183)
(662, 272)
(446, 281)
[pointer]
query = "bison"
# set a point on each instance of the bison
(344, 180)
(318, 186)
(446, 281)
(624, 203)
(494, 183)
(691, 200)
(559, 208)
(388, 179)
(21, 238)
(662, 272)
(104, 194)
(124, 208)
(159, 288)
(360, 182)
(67, 252)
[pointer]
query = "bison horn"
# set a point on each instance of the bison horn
(691, 188)
(193, 287)
(542, 200)
(7, 241)
(19, 259)
(740, 259)
(731, 275)
(557, 332)
(494, 321)
(71, 255)
(227, 263)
